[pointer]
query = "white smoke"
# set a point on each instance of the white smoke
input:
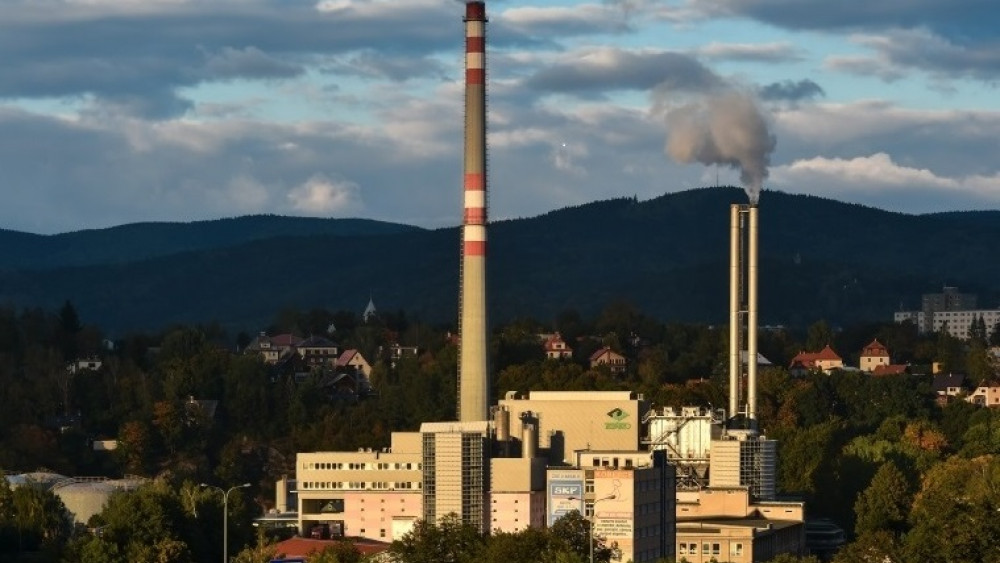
(725, 128)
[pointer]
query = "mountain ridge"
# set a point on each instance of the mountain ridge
(668, 256)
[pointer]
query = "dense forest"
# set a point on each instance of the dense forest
(909, 479)
(820, 259)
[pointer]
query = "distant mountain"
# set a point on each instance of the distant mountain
(820, 259)
(140, 241)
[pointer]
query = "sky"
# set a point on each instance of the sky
(124, 111)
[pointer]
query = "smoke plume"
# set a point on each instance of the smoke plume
(724, 128)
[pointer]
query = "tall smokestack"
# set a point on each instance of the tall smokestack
(735, 339)
(473, 379)
(752, 317)
(743, 254)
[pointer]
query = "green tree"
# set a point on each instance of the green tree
(954, 515)
(572, 533)
(449, 541)
(151, 524)
(262, 552)
(818, 335)
(873, 547)
(33, 519)
(340, 552)
(885, 504)
(789, 558)
(90, 549)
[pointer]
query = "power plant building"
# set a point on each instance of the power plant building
(630, 503)
(372, 494)
(456, 471)
(570, 421)
(745, 460)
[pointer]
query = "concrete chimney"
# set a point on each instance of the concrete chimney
(473, 379)
(743, 254)
(752, 317)
(735, 339)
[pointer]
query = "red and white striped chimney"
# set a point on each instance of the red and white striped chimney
(473, 379)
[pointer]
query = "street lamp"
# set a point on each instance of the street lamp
(225, 515)
(593, 517)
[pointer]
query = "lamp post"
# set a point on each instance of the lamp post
(225, 515)
(593, 519)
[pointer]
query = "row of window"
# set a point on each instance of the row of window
(708, 548)
(361, 485)
(359, 466)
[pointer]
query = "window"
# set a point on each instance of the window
(737, 549)
(716, 549)
(682, 549)
(704, 548)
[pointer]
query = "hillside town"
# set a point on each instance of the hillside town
(630, 433)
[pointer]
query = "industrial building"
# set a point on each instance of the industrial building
(373, 494)
(534, 458)
(570, 421)
(456, 477)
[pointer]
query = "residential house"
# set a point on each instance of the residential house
(396, 352)
(352, 359)
(556, 348)
(947, 386)
(81, 364)
(317, 351)
(873, 355)
(987, 394)
(273, 348)
(608, 357)
(826, 360)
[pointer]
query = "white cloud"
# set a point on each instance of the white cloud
(878, 178)
(774, 52)
(568, 19)
(320, 195)
(875, 171)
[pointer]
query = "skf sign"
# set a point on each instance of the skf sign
(617, 421)
(565, 490)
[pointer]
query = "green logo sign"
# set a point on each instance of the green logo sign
(617, 422)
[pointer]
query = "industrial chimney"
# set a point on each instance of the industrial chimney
(743, 309)
(473, 379)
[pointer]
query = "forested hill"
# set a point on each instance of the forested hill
(820, 259)
(140, 241)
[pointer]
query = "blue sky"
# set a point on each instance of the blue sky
(121, 111)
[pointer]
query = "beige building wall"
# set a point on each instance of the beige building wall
(869, 363)
(626, 512)
(988, 396)
(516, 474)
(734, 503)
(517, 494)
(360, 492)
(738, 541)
(579, 420)
(829, 365)
(516, 511)
(456, 462)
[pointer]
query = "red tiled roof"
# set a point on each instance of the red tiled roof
(550, 343)
(304, 547)
(891, 369)
(809, 359)
(875, 349)
(346, 356)
(827, 353)
(285, 340)
(599, 353)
